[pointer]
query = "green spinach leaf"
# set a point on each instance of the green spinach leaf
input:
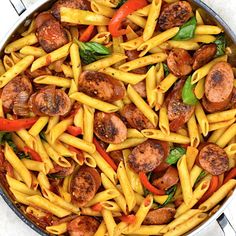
(188, 95)
(201, 176)
(121, 2)
(166, 69)
(175, 154)
(221, 45)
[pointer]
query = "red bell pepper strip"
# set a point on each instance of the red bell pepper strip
(97, 207)
(86, 35)
(126, 9)
(212, 188)
(130, 219)
(79, 153)
(103, 153)
(73, 130)
(149, 186)
(15, 125)
(230, 175)
(34, 155)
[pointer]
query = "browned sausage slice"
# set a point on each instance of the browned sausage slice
(146, 156)
(76, 4)
(135, 117)
(101, 86)
(169, 179)
(117, 156)
(83, 226)
(179, 62)
(140, 88)
(232, 103)
(203, 55)
(213, 159)
(42, 18)
(219, 82)
(160, 216)
(51, 35)
(178, 112)
(20, 106)
(175, 14)
(50, 101)
(84, 185)
(13, 88)
(61, 172)
(109, 127)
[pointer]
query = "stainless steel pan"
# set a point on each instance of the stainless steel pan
(25, 15)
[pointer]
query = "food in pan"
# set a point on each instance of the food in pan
(118, 118)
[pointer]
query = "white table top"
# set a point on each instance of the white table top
(10, 224)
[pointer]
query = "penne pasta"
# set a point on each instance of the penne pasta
(109, 221)
(33, 51)
(166, 83)
(163, 121)
(193, 131)
(199, 89)
(88, 123)
(57, 229)
(75, 61)
(101, 9)
(67, 70)
(194, 173)
(132, 44)
(227, 136)
(134, 133)
(53, 120)
(38, 126)
(20, 197)
(102, 229)
(151, 86)
(191, 156)
(138, 20)
(202, 119)
(217, 134)
(222, 124)
(221, 116)
(208, 29)
(35, 166)
(53, 80)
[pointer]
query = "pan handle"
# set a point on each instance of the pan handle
(225, 225)
(18, 5)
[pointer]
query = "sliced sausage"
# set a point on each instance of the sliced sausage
(51, 35)
(13, 88)
(84, 185)
(21, 106)
(135, 117)
(203, 55)
(101, 86)
(219, 83)
(175, 14)
(169, 179)
(38, 72)
(75, 4)
(160, 216)
(232, 103)
(109, 127)
(178, 112)
(179, 62)
(61, 172)
(50, 101)
(213, 159)
(146, 156)
(83, 226)
(42, 18)
(117, 156)
(140, 88)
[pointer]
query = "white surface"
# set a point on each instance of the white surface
(10, 224)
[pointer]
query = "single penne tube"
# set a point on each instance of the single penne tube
(20, 43)
(57, 229)
(88, 123)
(230, 149)
(59, 129)
(15, 70)
(130, 34)
(138, 20)
(101, 9)
(203, 38)
(18, 141)
(119, 104)
(35, 166)
(157, 40)
(139, 198)
(194, 173)
(38, 213)
(19, 186)
(208, 29)
(166, 83)
(172, 137)
(221, 124)
(53, 120)
(134, 133)
(160, 198)
(107, 3)
(204, 70)
(143, 61)
(193, 131)
(53, 80)
(16, 56)
(77, 143)
(102, 229)
(126, 186)
(130, 142)
(38, 126)
(153, 15)
(8, 62)
(126, 77)
(132, 176)
(89, 160)
(191, 155)
(55, 199)
(51, 57)
(202, 119)
(67, 70)
(120, 200)
(103, 196)
(43, 180)
(29, 140)
(132, 44)
(105, 62)
(17, 164)
(164, 121)
(148, 230)
(75, 61)
(60, 148)
(102, 37)
(217, 196)
(227, 136)
(20, 197)
(31, 28)
(143, 11)
(197, 194)
(185, 179)
(111, 206)
(199, 18)
(33, 51)
(77, 16)
(89, 212)
(221, 116)
(184, 227)
(105, 167)
(187, 45)
(2, 68)
(216, 134)
(93, 102)
(109, 221)
(142, 105)
(79, 118)
(151, 86)
(45, 204)
(200, 89)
